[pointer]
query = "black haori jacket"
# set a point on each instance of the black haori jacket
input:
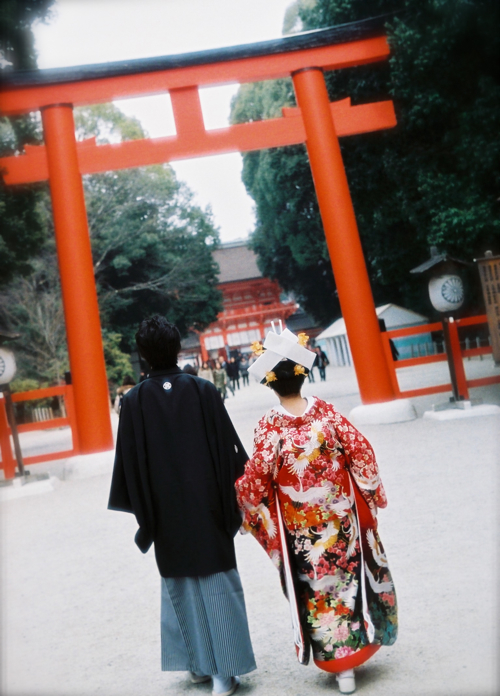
(177, 459)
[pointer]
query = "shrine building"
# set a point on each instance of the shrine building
(250, 303)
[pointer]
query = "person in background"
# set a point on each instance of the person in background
(233, 372)
(177, 459)
(225, 364)
(321, 362)
(392, 345)
(244, 365)
(126, 386)
(206, 372)
(220, 380)
(310, 374)
(190, 369)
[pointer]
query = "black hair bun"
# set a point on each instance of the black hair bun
(285, 369)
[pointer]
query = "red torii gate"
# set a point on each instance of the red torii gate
(316, 121)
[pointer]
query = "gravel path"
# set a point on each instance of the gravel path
(80, 604)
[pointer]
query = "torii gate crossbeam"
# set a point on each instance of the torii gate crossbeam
(316, 122)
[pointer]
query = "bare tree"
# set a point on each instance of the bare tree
(32, 306)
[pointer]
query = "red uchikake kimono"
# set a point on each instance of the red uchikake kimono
(328, 489)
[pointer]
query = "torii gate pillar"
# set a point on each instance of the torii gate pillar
(81, 310)
(342, 237)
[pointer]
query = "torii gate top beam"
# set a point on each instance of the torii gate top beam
(181, 76)
(337, 47)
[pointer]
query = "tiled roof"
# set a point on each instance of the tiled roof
(236, 262)
(301, 321)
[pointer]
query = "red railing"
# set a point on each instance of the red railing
(458, 355)
(8, 460)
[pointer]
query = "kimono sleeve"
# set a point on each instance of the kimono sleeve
(129, 485)
(361, 462)
(228, 453)
(256, 494)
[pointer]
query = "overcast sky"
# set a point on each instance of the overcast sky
(95, 31)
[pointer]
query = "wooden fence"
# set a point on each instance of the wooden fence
(8, 463)
(459, 354)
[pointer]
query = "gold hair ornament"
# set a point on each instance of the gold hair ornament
(303, 338)
(299, 370)
(270, 377)
(257, 348)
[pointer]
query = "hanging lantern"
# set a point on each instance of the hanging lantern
(446, 287)
(446, 292)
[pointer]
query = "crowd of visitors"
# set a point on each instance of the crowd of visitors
(226, 375)
(229, 375)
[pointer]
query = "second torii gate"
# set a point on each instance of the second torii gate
(316, 122)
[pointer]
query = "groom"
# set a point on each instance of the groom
(177, 459)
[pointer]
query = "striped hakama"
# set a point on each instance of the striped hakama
(204, 627)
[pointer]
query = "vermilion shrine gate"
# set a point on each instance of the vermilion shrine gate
(316, 122)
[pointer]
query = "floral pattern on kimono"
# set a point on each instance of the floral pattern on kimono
(329, 490)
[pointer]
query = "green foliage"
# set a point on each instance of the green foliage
(22, 385)
(17, 44)
(107, 124)
(256, 101)
(22, 232)
(118, 365)
(434, 179)
(152, 251)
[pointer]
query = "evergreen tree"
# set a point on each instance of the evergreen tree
(434, 179)
(22, 233)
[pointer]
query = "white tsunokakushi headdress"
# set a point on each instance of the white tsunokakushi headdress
(279, 346)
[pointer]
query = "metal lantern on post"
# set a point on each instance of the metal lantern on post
(446, 293)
